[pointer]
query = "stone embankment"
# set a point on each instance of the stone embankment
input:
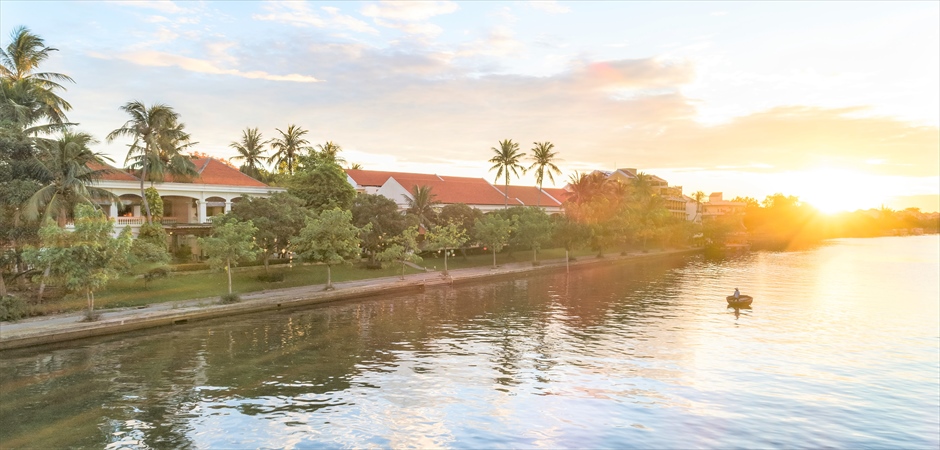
(67, 327)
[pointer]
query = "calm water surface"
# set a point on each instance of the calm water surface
(841, 349)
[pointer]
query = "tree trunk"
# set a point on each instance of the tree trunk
(143, 194)
(90, 296)
(3, 286)
(329, 279)
(228, 270)
(445, 262)
(538, 199)
(266, 257)
(494, 256)
(535, 254)
(403, 269)
(42, 282)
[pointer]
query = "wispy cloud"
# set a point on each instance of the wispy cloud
(549, 6)
(161, 59)
(409, 17)
(300, 14)
(164, 6)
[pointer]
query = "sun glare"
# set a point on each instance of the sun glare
(837, 190)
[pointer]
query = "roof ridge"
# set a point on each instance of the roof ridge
(204, 165)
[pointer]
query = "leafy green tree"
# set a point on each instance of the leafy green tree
(532, 229)
(230, 241)
(571, 234)
(460, 214)
(543, 162)
(493, 231)
(387, 223)
(251, 149)
(446, 237)
(156, 149)
(277, 218)
(421, 205)
(322, 188)
(326, 153)
(402, 249)
(506, 160)
(65, 163)
(287, 147)
(21, 175)
(86, 259)
(329, 238)
(29, 95)
(150, 247)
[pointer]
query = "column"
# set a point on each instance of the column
(202, 211)
(228, 206)
(113, 212)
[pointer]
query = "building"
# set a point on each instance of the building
(188, 205)
(716, 206)
(675, 202)
(474, 192)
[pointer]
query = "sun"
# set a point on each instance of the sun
(837, 190)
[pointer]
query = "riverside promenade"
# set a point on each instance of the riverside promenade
(66, 327)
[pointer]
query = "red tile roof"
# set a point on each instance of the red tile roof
(471, 191)
(211, 171)
(113, 174)
(528, 196)
(560, 194)
(377, 178)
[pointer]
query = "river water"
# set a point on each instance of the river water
(840, 349)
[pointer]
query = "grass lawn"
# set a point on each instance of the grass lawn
(132, 291)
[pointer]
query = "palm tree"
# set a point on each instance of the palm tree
(506, 161)
(251, 149)
(421, 204)
(330, 152)
(543, 158)
(287, 146)
(31, 94)
(698, 196)
(159, 140)
(72, 169)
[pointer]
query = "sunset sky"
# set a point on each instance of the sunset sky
(835, 102)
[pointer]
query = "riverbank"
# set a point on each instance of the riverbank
(67, 327)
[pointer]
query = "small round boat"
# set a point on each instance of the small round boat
(744, 300)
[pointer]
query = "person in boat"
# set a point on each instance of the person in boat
(737, 294)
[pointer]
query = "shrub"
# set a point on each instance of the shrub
(153, 274)
(230, 298)
(194, 267)
(272, 277)
(13, 308)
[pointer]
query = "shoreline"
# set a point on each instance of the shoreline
(60, 328)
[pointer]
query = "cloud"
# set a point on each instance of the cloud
(299, 14)
(161, 59)
(408, 11)
(409, 17)
(500, 41)
(549, 6)
(164, 6)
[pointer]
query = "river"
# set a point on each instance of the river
(841, 348)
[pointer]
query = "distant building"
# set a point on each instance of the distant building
(673, 199)
(716, 206)
(474, 192)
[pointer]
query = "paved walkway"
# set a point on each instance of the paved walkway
(64, 327)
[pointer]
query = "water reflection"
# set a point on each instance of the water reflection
(631, 355)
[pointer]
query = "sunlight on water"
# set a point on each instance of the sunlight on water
(840, 349)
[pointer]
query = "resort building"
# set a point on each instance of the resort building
(187, 205)
(675, 202)
(716, 206)
(476, 193)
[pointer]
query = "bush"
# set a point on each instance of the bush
(13, 308)
(153, 274)
(194, 267)
(183, 253)
(372, 265)
(230, 298)
(272, 277)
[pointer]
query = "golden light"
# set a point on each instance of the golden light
(836, 190)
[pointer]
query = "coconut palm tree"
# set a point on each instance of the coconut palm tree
(30, 94)
(72, 170)
(287, 147)
(543, 162)
(158, 142)
(251, 149)
(698, 196)
(421, 204)
(506, 161)
(330, 151)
